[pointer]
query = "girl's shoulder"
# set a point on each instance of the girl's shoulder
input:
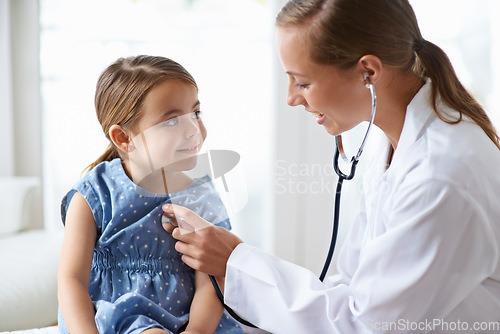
(96, 186)
(107, 172)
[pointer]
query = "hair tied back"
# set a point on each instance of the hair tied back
(421, 46)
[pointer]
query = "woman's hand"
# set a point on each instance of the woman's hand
(205, 247)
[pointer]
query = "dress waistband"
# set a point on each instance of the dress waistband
(108, 261)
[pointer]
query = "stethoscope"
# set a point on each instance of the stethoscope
(339, 153)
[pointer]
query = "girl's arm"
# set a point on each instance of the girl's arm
(74, 267)
(206, 309)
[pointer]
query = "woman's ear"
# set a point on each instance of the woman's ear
(120, 138)
(372, 65)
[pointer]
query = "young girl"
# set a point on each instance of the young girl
(119, 271)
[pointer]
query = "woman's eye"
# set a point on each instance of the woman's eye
(301, 86)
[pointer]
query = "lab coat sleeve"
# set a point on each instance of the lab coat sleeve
(281, 297)
(430, 257)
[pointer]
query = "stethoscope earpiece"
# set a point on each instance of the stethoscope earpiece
(366, 76)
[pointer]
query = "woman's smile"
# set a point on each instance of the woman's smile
(320, 118)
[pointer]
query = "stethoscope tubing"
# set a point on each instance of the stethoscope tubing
(339, 152)
(336, 212)
(227, 308)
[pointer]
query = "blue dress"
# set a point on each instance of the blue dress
(138, 280)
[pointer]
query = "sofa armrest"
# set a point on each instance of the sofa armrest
(28, 279)
(16, 195)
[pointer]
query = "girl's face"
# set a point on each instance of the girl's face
(338, 98)
(169, 134)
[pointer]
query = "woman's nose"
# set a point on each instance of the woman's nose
(294, 98)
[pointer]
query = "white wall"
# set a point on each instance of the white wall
(6, 113)
(494, 72)
(20, 118)
(26, 87)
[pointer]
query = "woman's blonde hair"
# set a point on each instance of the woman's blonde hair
(342, 31)
(121, 90)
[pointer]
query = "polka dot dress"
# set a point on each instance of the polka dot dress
(138, 280)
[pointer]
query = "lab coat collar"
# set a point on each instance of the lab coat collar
(419, 114)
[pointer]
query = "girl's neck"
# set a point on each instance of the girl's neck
(159, 181)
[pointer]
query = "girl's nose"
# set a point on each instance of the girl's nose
(191, 126)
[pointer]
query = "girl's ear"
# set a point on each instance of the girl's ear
(120, 138)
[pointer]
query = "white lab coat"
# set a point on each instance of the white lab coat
(421, 256)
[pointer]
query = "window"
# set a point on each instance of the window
(469, 33)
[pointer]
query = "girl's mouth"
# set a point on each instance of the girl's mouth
(192, 149)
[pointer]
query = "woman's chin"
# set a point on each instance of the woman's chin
(332, 130)
(335, 129)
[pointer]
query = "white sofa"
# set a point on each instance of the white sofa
(28, 260)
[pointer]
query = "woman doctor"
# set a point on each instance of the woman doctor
(423, 252)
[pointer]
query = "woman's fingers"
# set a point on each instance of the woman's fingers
(190, 253)
(205, 247)
(168, 227)
(206, 250)
(186, 219)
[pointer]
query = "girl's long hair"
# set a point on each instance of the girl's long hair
(342, 31)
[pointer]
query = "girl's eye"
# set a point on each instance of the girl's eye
(171, 122)
(301, 86)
